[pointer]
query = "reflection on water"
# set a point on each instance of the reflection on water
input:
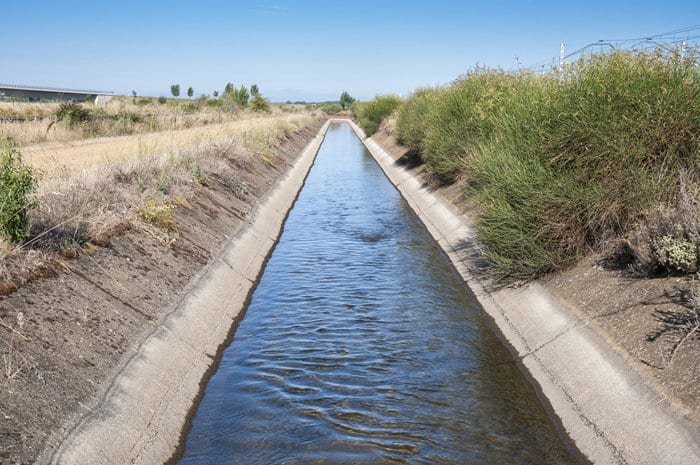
(361, 345)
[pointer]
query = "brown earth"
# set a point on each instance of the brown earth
(653, 323)
(65, 333)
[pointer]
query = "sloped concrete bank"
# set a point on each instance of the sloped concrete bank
(142, 414)
(599, 403)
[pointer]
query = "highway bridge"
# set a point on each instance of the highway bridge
(11, 91)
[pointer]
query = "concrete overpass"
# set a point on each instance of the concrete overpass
(12, 91)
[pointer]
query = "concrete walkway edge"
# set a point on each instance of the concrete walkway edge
(598, 402)
(141, 415)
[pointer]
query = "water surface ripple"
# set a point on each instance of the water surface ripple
(361, 345)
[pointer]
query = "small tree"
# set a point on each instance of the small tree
(254, 90)
(346, 100)
(175, 90)
(215, 93)
(243, 96)
(17, 183)
(228, 90)
(190, 92)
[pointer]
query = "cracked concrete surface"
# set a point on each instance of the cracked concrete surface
(598, 402)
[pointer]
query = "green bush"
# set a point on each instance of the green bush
(260, 103)
(561, 165)
(413, 116)
(72, 114)
(17, 184)
(370, 114)
(332, 109)
(162, 100)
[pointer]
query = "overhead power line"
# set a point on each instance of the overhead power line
(666, 40)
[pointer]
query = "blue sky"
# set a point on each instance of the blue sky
(303, 49)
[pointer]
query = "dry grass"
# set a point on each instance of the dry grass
(13, 363)
(103, 199)
(96, 195)
(258, 132)
(154, 175)
(27, 109)
(119, 116)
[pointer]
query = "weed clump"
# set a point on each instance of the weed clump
(72, 114)
(159, 214)
(17, 184)
(370, 114)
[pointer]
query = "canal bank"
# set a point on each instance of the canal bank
(141, 414)
(607, 409)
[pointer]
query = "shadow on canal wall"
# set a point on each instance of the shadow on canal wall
(600, 404)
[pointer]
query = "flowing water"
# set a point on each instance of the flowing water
(362, 345)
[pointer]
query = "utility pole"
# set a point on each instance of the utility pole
(683, 45)
(561, 58)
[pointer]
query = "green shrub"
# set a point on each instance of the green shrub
(332, 109)
(370, 114)
(561, 165)
(260, 103)
(17, 184)
(162, 100)
(413, 117)
(72, 114)
(189, 107)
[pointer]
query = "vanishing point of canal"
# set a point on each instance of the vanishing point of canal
(361, 345)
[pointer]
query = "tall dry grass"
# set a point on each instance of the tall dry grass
(73, 208)
(38, 123)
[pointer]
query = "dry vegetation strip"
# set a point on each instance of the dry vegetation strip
(76, 155)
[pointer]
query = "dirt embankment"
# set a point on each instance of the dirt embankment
(652, 323)
(67, 333)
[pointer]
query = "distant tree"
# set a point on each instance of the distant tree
(190, 91)
(216, 93)
(175, 90)
(228, 90)
(346, 100)
(254, 90)
(243, 96)
(133, 92)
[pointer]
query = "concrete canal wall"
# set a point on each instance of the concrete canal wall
(601, 405)
(141, 417)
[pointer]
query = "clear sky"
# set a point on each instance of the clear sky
(303, 49)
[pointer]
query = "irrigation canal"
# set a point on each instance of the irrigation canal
(362, 345)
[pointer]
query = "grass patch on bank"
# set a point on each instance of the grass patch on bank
(370, 114)
(559, 166)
